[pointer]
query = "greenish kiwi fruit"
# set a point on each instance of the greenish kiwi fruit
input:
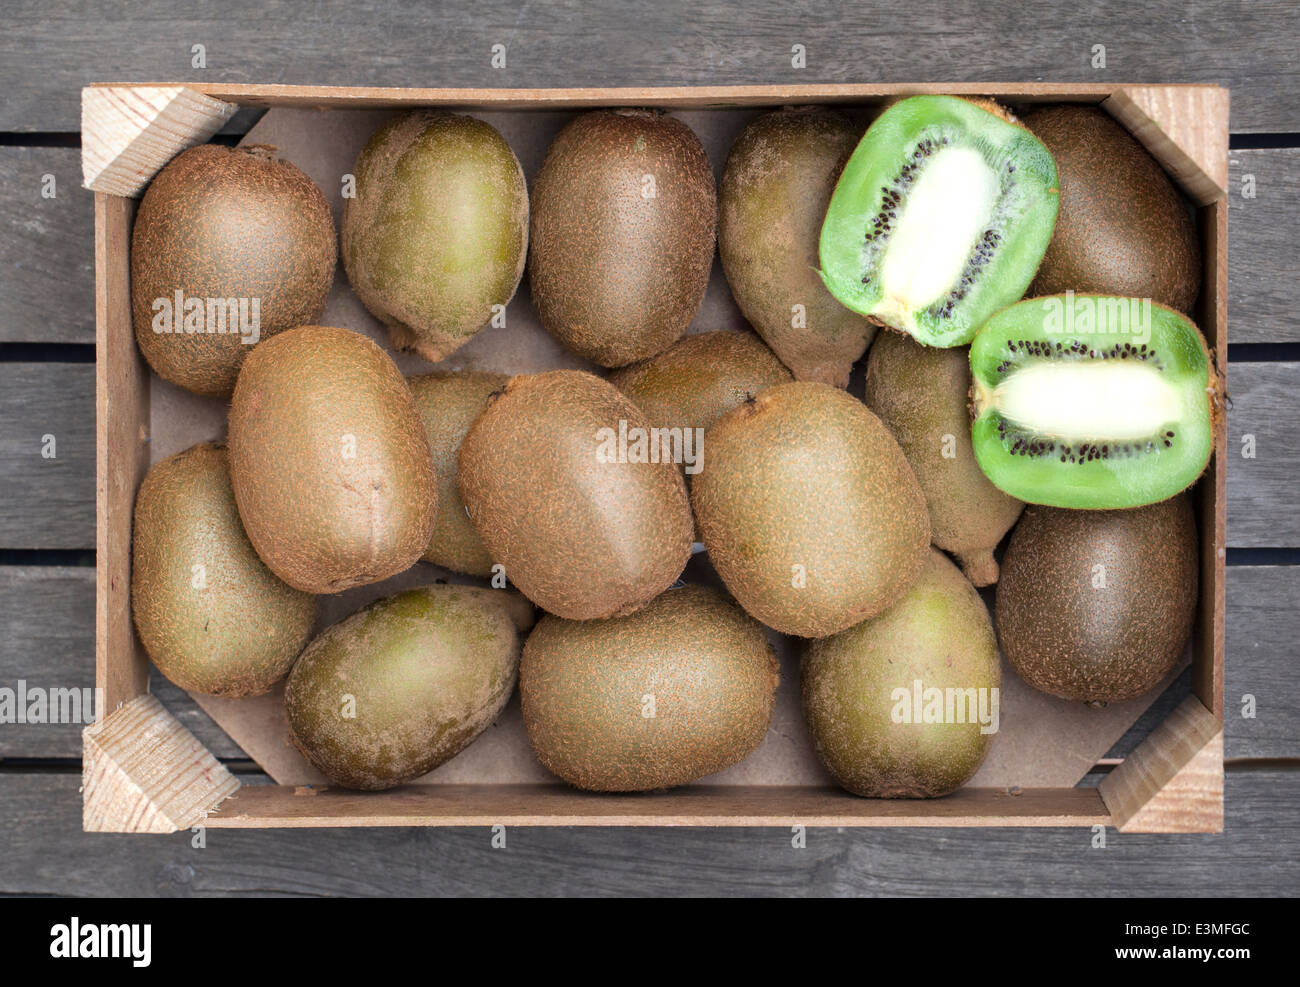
(809, 510)
(1123, 228)
(624, 212)
(1092, 401)
(681, 689)
(906, 705)
(436, 236)
(775, 188)
(404, 685)
(1098, 605)
(448, 404)
(329, 462)
(230, 246)
(921, 393)
(586, 524)
(940, 217)
(211, 615)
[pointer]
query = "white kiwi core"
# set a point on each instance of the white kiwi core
(1097, 401)
(947, 211)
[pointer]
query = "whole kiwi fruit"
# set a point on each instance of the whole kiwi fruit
(1098, 605)
(775, 188)
(437, 233)
(921, 393)
(906, 705)
(585, 524)
(1123, 228)
(681, 689)
(230, 246)
(809, 509)
(623, 218)
(211, 615)
(448, 403)
(405, 684)
(328, 459)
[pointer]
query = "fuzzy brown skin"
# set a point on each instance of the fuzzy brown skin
(1122, 229)
(617, 276)
(438, 231)
(940, 633)
(329, 462)
(921, 393)
(1069, 636)
(237, 633)
(449, 402)
(579, 537)
(696, 661)
(228, 223)
(428, 670)
(806, 485)
(778, 181)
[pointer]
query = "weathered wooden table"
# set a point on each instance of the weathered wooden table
(47, 419)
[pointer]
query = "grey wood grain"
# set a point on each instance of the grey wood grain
(47, 272)
(1263, 625)
(1263, 295)
(47, 502)
(45, 59)
(48, 854)
(48, 617)
(1265, 409)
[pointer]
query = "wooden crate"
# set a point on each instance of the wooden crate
(143, 772)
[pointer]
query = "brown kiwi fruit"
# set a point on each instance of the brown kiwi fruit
(777, 183)
(681, 689)
(449, 403)
(1098, 605)
(624, 213)
(247, 241)
(1123, 228)
(921, 393)
(809, 509)
(211, 615)
(404, 685)
(438, 230)
(329, 462)
(906, 705)
(582, 530)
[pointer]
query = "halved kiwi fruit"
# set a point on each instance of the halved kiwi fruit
(1092, 401)
(940, 218)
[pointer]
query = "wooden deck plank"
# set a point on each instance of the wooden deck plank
(48, 614)
(48, 854)
(47, 502)
(1263, 294)
(1263, 455)
(47, 273)
(51, 54)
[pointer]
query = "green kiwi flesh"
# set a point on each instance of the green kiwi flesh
(809, 510)
(921, 393)
(1123, 228)
(940, 218)
(681, 689)
(1092, 401)
(211, 615)
(584, 528)
(222, 230)
(775, 188)
(404, 685)
(328, 459)
(906, 705)
(1098, 605)
(623, 221)
(435, 238)
(449, 402)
